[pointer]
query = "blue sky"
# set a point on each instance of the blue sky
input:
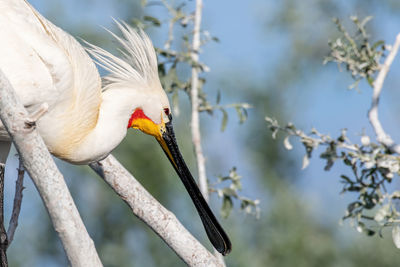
(248, 49)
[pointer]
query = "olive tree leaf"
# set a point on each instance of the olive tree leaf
(396, 235)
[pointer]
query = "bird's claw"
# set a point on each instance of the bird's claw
(30, 122)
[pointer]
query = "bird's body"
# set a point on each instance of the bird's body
(46, 65)
(85, 122)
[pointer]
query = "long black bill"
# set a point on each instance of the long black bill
(215, 233)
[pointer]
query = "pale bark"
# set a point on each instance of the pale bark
(381, 135)
(38, 162)
(195, 123)
(150, 211)
(194, 97)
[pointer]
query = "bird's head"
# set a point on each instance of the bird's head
(154, 118)
(137, 74)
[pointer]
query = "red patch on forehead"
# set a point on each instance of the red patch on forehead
(137, 114)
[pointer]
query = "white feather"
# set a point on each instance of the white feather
(47, 65)
(138, 65)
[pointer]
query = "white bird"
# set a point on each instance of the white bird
(85, 122)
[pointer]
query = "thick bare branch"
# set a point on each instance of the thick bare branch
(49, 182)
(381, 135)
(150, 211)
(19, 187)
(194, 96)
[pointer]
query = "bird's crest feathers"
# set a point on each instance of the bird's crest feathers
(138, 64)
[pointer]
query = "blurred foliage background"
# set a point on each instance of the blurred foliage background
(270, 55)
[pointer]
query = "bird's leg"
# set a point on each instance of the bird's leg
(36, 115)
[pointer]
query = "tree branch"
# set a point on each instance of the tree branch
(195, 125)
(3, 234)
(151, 212)
(381, 135)
(48, 180)
(194, 94)
(19, 187)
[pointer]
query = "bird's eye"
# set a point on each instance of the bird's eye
(169, 115)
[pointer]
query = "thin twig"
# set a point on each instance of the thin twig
(3, 234)
(381, 135)
(150, 211)
(19, 187)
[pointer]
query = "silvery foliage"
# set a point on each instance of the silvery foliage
(372, 166)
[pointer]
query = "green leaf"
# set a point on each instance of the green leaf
(227, 206)
(224, 120)
(137, 23)
(224, 178)
(241, 113)
(370, 232)
(352, 206)
(152, 20)
(396, 235)
(361, 227)
(378, 43)
(218, 97)
(236, 184)
(370, 81)
(306, 161)
(229, 192)
(215, 39)
(396, 195)
(244, 115)
(347, 162)
(287, 143)
(365, 21)
(346, 178)
(382, 213)
(161, 69)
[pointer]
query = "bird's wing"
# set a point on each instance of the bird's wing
(20, 59)
(46, 64)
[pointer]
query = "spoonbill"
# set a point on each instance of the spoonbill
(84, 121)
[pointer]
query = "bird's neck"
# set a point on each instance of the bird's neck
(111, 127)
